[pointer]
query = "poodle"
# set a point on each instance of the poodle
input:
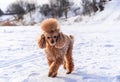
(57, 46)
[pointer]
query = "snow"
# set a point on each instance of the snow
(96, 54)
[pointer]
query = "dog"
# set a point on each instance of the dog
(57, 46)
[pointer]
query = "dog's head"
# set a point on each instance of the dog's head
(51, 34)
(52, 39)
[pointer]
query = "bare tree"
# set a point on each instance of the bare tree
(59, 7)
(30, 8)
(95, 8)
(21, 7)
(27, 6)
(87, 7)
(1, 12)
(45, 9)
(16, 9)
(101, 4)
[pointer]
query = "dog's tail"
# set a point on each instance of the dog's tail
(72, 38)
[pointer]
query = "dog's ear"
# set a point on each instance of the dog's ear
(60, 41)
(41, 41)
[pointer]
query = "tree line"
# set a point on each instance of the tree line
(55, 8)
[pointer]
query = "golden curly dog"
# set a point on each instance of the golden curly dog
(57, 46)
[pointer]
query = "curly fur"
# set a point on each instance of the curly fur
(50, 25)
(57, 46)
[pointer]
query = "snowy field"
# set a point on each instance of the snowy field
(96, 54)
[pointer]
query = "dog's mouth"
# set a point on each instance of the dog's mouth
(52, 43)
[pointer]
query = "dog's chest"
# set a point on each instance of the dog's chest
(54, 53)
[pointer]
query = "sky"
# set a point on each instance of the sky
(4, 4)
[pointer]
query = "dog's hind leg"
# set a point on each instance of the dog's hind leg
(69, 61)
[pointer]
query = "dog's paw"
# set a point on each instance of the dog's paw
(68, 72)
(52, 74)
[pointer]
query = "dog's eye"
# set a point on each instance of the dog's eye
(48, 37)
(55, 36)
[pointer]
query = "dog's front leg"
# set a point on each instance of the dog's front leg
(49, 62)
(54, 68)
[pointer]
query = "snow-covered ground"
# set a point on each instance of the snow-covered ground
(96, 54)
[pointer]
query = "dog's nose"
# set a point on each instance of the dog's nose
(52, 41)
